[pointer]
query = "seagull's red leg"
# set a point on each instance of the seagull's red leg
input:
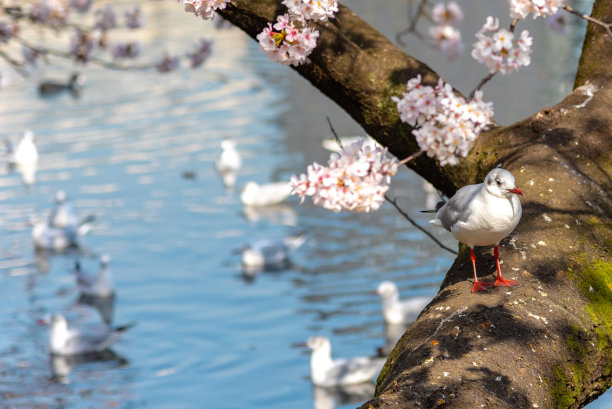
(478, 285)
(499, 280)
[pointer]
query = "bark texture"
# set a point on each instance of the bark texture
(548, 342)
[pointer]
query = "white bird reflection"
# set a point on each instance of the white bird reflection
(62, 366)
(27, 172)
(277, 214)
(330, 397)
(431, 195)
(334, 146)
(267, 194)
(393, 332)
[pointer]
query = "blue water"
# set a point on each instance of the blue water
(205, 335)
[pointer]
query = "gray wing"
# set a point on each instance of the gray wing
(90, 341)
(274, 252)
(455, 209)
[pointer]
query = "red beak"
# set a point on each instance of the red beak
(515, 191)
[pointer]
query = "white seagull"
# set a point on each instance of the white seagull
(25, 153)
(334, 146)
(270, 254)
(268, 194)
(95, 285)
(63, 214)
(325, 371)
(65, 341)
(482, 215)
(229, 159)
(46, 237)
(398, 311)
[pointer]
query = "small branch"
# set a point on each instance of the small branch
(413, 21)
(333, 131)
(409, 158)
(17, 66)
(403, 213)
(606, 26)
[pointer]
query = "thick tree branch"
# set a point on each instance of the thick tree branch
(548, 342)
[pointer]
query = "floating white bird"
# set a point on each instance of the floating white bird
(270, 254)
(25, 153)
(46, 237)
(268, 194)
(482, 215)
(398, 311)
(334, 146)
(65, 341)
(63, 214)
(334, 396)
(229, 159)
(98, 285)
(325, 371)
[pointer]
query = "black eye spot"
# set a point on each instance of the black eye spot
(498, 182)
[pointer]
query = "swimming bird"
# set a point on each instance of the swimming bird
(25, 153)
(334, 146)
(46, 237)
(325, 371)
(229, 159)
(270, 254)
(74, 86)
(267, 194)
(63, 214)
(482, 215)
(398, 311)
(65, 341)
(95, 285)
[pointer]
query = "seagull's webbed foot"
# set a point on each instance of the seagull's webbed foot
(500, 281)
(480, 286)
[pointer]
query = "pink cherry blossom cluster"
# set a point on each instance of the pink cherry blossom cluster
(539, 8)
(444, 32)
(319, 10)
(204, 8)
(500, 52)
(446, 126)
(355, 179)
(284, 43)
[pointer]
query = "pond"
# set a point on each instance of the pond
(137, 150)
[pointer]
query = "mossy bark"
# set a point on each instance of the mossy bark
(548, 342)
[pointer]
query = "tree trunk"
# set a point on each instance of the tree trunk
(548, 342)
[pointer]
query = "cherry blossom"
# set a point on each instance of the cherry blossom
(204, 8)
(168, 63)
(81, 6)
(134, 19)
(201, 54)
(106, 18)
(501, 52)
(319, 10)
(125, 50)
(539, 8)
(446, 125)
(355, 179)
(448, 39)
(449, 14)
(285, 43)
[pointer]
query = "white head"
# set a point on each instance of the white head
(57, 332)
(319, 343)
(228, 144)
(387, 289)
(28, 135)
(105, 260)
(60, 196)
(499, 182)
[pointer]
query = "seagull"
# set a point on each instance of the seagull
(268, 194)
(482, 215)
(324, 371)
(64, 341)
(25, 153)
(46, 237)
(98, 285)
(270, 254)
(63, 214)
(396, 311)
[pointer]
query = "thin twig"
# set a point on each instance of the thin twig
(403, 213)
(333, 131)
(606, 26)
(17, 66)
(413, 21)
(409, 158)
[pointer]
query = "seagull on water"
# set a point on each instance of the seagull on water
(398, 311)
(228, 163)
(95, 285)
(66, 341)
(25, 153)
(46, 237)
(325, 371)
(270, 254)
(482, 215)
(267, 194)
